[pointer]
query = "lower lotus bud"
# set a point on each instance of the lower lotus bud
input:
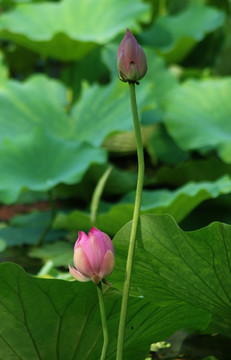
(93, 256)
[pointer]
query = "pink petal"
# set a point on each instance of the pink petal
(130, 49)
(95, 249)
(77, 275)
(82, 237)
(82, 263)
(129, 43)
(121, 65)
(107, 265)
(103, 238)
(108, 242)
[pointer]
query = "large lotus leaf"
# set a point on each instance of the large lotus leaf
(210, 168)
(85, 188)
(38, 102)
(171, 264)
(181, 201)
(160, 81)
(13, 236)
(41, 103)
(219, 325)
(198, 116)
(102, 110)
(178, 203)
(70, 29)
(27, 229)
(59, 253)
(76, 220)
(55, 319)
(175, 35)
(42, 161)
(106, 109)
(161, 148)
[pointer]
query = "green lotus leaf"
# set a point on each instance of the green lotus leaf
(37, 103)
(172, 264)
(178, 203)
(198, 116)
(35, 310)
(42, 161)
(175, 35)
(70, 29)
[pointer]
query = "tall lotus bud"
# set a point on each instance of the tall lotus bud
(131, 59)
(93, 256)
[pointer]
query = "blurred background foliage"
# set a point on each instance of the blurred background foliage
(65, 121)
(65, 117)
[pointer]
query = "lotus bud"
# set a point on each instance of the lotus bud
(93, 256)
(131, 59)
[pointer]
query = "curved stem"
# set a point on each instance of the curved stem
(104, 321)
(98, 193)
(136, 216)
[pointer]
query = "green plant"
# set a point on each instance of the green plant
(66, 133)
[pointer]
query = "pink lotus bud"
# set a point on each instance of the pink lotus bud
(93, 256)
(131, 59)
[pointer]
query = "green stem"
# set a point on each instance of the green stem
(49, 225)
(104, 321)
(162, 7)
(136, 216)
(46, 268)
(98, 194)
